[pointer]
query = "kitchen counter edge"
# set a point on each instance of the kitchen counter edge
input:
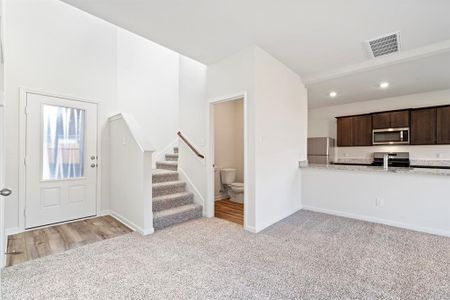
(391, 170)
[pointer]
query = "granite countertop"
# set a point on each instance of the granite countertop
(395, 170)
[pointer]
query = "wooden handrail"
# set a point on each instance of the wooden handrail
(189, 145)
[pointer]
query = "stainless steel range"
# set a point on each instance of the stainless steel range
(395, 159)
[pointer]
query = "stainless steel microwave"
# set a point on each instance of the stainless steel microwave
(390, 136)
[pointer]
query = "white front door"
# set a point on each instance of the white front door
(60, 160)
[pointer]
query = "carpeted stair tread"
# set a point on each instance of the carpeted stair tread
(171, 157)
(172, 200)
(171, 203)
(167, 165)
(162, 171)
(167, 162)
(176, 215)
(169, 187)
(161, 175)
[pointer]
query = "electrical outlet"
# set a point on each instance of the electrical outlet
(438, 155)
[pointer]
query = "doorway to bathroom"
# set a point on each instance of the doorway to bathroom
(228, 164)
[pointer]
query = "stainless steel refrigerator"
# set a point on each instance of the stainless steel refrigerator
(321, 150)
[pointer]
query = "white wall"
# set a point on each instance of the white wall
(131, 174)
(322, 122)
(276, 113)
(192, 123)
(234, 77)
(147, 77)
(53, 47)
(418, 202)
(228, 139)
(50, 46)
(281, 133)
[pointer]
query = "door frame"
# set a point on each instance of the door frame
(210, 179)
(3, 237)
(22, 149)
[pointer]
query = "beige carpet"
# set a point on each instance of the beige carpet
(306, 256)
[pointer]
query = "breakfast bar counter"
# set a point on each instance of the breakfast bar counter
(367, 168)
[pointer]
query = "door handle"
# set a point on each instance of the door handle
(5, 192)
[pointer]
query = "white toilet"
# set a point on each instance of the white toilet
(234, 189)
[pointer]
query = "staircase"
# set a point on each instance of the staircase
(172, 204)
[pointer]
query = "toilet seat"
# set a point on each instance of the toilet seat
(237, 187)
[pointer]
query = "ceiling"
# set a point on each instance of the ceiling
(315, 38)
(416, 76)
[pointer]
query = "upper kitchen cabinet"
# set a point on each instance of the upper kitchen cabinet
(443, 125)
(381, 120)
(344, 132)
(394, 119)
(354, 131)
(362, 130)
(400, 119)
(423, 126)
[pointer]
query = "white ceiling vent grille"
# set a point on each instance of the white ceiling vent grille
(384, 45)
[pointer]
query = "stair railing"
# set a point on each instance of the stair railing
(190, 145)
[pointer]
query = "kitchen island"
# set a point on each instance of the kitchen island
(411, 198)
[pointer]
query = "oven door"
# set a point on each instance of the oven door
(390, 136)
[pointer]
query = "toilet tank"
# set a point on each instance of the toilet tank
(228, 175)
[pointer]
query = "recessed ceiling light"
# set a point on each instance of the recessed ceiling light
(384, 85)
(333, 94)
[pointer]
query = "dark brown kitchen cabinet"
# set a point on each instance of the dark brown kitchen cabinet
(381, 120)
(443, 125)
(394, 119)
(362, 130)
(354, 131)
(423, 126)
(344, 132)
(400, 119)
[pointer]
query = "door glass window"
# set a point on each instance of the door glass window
(63, 142)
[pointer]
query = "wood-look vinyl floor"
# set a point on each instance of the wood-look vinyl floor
(230, 211)
(41, 242)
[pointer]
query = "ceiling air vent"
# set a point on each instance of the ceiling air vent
(384, 45)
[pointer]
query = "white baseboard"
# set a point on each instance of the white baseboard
(160, 155)
(198, 198)
(105, 212)
(221, 197)
(435, 231)
(131, 224)
(13, 230)
(250, 229)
